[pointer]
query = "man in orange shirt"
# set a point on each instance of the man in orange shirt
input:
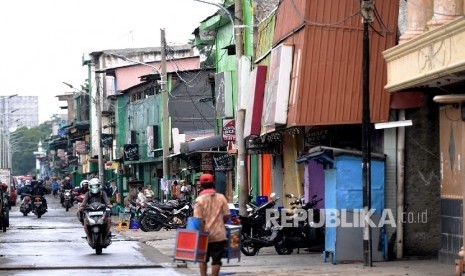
(212, 209)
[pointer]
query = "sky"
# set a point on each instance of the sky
(42, 41)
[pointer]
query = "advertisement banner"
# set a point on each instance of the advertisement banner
(207, 162)
(229, 130)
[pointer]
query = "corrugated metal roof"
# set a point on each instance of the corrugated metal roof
(327, 36)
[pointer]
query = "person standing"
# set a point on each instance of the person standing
(114, 189)
(141, 198)
(55, 187)
(148, 193)
(212, 210)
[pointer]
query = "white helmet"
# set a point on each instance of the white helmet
(84, 182)
(94, 185)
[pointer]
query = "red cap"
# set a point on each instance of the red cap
(206, 178)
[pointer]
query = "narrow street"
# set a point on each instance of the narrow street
(55, 245)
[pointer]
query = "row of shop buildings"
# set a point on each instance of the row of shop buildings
(299, 81)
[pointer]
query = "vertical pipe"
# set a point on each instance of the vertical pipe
(400, 186)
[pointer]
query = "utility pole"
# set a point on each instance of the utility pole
(367, 18)
(98, 111)
(165, 119)
(241, 162)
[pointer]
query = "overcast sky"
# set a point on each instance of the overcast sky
(42, 41)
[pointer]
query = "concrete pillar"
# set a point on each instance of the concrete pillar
(418, 14)
(445, 11)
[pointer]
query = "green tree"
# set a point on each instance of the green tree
(206, 52)
(23, 159)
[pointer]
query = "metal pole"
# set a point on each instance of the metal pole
(98, 111)
(241, 164)
(165, 118)
(367, 8)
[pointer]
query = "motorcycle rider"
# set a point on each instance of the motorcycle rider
(83, 189)
(66, 185)
(95, 194)
(40, 190)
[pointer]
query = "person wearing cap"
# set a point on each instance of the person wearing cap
(212, 210)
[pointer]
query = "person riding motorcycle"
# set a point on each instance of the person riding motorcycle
(83, 187)
(66, 185)
(82, 190)
(40, 190)
(95, 194)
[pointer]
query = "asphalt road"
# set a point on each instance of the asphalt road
(55, 245)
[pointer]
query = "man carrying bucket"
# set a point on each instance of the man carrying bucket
(212, 210)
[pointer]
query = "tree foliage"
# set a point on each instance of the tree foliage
(207, 54)
(24, 143)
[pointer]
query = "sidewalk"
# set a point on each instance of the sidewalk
(269, 263)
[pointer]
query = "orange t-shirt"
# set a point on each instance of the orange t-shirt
(211, 207)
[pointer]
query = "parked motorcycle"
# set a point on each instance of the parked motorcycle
(255, 231)
(172, 215)
(67, 199)
(96, 223)
(26, 204)
(38, 206)
(301, 234)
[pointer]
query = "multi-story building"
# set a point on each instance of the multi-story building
(21, 110)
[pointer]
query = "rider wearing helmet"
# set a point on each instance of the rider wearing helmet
(95, 194)
(83, 187)
(82, 190)
(66, 185)
(39, 190)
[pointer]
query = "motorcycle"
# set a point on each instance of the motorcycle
(96, 223)
(26, 204)
(255, 231)
(38, 206)
(67, 199)
(172, 215)
(301, 234)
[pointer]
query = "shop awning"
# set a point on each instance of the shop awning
(203, 144)
(326, 154)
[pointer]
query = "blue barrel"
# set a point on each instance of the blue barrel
(193, 223)
(134, 224)
(261, 200)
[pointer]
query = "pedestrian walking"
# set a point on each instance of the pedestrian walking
(212, 210)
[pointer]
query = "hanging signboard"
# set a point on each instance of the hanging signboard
(317, 136)
(229, 130)
(72, 160)
(258, 147)
(131, 152)
(207, 162)
(81, 147)
(223, 90)
(106, 140)
(223, 162)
